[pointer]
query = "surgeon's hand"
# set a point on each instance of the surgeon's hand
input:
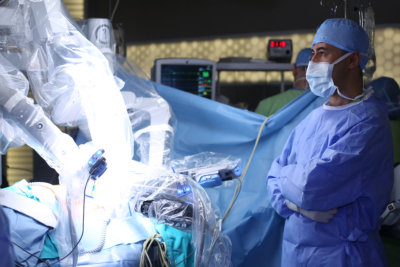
(315, 215)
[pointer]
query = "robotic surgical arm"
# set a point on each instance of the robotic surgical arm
(28, 122)
(71, 82)
(152, 139)
(70, 78)
(151, 117)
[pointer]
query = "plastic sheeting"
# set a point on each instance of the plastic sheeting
(72, 83)
(209, 169)
(160, 197)
(151, 118)
(253, 226)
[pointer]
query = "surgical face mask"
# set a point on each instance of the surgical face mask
(319, 77)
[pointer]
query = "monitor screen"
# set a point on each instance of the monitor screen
(195, 76)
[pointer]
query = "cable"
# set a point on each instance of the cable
(97, 169)
(237, 190)
(145, 258)
(148, 243)
(33, 255)
(239, 186)
(185, 258)
(83, 222)
(115, 9)
(80, 238)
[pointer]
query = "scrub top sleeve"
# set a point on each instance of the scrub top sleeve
(264, 107)
(335, 178)
(274, 191)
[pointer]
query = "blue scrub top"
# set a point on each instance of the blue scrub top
(338, 157)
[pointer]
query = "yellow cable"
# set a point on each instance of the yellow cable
(239, 186)
(145, 260)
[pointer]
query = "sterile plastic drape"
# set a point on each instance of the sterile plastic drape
(253, 226)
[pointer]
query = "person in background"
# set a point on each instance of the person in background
(272, 104)
(388, 90)
(334, 176)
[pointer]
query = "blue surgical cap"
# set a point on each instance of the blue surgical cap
(388, 90)
(344, 34)
(303, 57)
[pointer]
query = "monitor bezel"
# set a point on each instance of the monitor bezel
(158, 63)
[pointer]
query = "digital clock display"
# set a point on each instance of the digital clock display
(279, 50)
(281, 44)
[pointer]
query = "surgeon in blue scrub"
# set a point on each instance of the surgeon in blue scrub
(335, 173)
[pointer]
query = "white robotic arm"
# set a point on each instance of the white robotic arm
(30, 121)
(152, 137)
(71, 79)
